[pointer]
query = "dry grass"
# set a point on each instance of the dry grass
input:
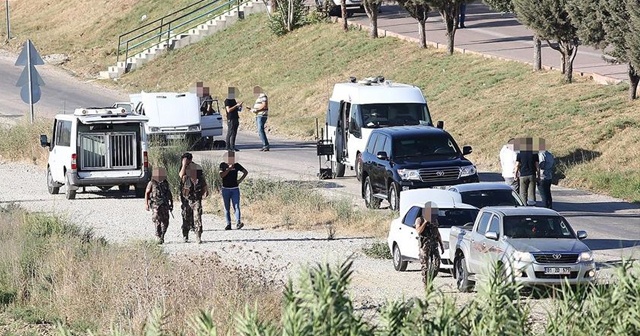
(51, 271)
(21, 141)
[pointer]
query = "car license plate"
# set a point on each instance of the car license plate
(175, 136)
(557, 270)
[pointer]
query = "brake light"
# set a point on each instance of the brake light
(74, 165)
(146, 159)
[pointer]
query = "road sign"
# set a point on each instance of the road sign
(29, 80)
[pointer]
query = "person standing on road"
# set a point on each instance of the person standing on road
(527, 170)
(429, 239)
(229, 169)
(547, 162)
(261, 109)
(462, 14)
(158, 197)
(193, 188)
(233, 121)
(508, 164)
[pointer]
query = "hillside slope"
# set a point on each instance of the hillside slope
(592, 129)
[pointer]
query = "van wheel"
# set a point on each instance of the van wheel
(369, 200)
(70, 192)
(340, 168)
(399, 264)
(52, 186)
(359, 166)
(394, 197)
(105, 188)
(140, 190)
(462, 276)
(123, 188)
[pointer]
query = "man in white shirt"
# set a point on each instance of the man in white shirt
(508, 163)
(261, 110)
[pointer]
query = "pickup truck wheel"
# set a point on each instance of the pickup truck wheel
(359, 167)
(123, 188)
(340, 169)
(394, 197)
(369, 200)
(52, 186)
(70, 192)
(462, 276)
(399, 264)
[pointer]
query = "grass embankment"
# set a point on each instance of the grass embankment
(298, 205)
(53, 272)
(592, 129)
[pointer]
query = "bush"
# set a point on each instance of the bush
(379, 250)
(289, 15)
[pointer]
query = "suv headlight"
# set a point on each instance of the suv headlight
(154, 129)
(409, 174)
(522, 256)
(468, 171)
(586, 256)
(194, 128)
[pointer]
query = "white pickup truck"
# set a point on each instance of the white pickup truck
(536, 246)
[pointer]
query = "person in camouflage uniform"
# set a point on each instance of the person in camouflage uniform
(159, 198)
(429, 239)
(193, 187)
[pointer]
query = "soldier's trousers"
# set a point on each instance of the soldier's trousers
(428, 267)
(160, 218)
(192, 217)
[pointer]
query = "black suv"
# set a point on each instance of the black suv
(411, 157)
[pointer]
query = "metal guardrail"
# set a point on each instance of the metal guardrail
(173, 24)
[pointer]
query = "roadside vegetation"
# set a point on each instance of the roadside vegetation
(21, 140)
(52, 272)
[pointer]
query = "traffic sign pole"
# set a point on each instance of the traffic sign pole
(30, 80)
(8, 25)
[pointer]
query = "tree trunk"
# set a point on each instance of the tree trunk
(422, 30)
(569, 52)
(634, 79)
(537, 53)
(450, 22)
(372, 12)
(343, 9)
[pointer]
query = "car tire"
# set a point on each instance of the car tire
(462, 276)
(140, 190)
(359, 166)
(123, 188)
(70, 192)
(105, 188)
(399, 264)
(369, 200)
(340, 169)
(52, 187)
(394, 196)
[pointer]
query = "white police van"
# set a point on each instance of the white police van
(98, 147)
(358, 107)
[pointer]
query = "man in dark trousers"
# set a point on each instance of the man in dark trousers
(527, 171)
(233, 119)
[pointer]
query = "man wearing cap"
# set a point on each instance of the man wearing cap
(193, 187)
(261, 110)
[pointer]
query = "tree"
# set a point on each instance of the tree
(634, 40)
(550, 20)
(343, 13)
(449, 10)
(607, 25)
(506, 6)
(419, 10)
(371, 7)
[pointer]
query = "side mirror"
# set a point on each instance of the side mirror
(582, 234)
(467, 150)
(382, 155)
(44, 142)
(354, 129)
(491, 235)
(440, 124)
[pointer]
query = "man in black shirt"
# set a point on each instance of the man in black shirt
(230, 190)
(528, 171)
(233, 121)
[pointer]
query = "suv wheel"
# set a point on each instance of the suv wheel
(462, 276)
(52, 186)
(394, 196)
(359, 166)
(340, 168)
(369, 200)
(70, 193)
(399, 264)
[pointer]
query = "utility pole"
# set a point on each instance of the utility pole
(6, 2)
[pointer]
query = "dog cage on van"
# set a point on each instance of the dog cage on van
(324, 147)
(102, 151)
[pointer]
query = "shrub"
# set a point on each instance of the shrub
(379, 250)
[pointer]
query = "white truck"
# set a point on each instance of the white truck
(175, 116)
(357, 107)
(99, 147)
(534, 246)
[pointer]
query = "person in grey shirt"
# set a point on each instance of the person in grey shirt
(547, 161)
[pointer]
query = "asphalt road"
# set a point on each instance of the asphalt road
(613, 225)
